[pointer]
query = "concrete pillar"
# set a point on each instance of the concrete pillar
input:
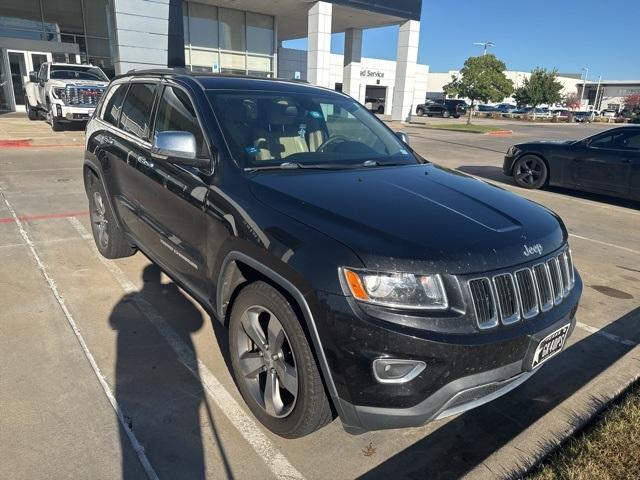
(319, 49)
(352, 57)
(140, 41)
(407, 58)
(388, 100)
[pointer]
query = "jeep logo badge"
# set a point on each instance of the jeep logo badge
(532, 249)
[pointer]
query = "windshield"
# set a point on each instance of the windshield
(70, 72)
(271, 128)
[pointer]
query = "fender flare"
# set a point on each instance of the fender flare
(341, 406)
(95, 170)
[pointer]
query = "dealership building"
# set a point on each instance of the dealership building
(242, 37)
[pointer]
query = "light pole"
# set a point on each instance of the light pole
(584, 82)
(485, 45)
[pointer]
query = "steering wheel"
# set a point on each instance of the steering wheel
(331, 140)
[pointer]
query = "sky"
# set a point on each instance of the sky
(568, 35)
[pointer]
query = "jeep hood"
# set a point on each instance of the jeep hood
(421, 218)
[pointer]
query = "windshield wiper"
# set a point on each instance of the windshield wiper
(296, 165)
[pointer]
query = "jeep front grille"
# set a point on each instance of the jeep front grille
(507, 297)
(484, 304)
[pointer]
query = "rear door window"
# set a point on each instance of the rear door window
(113, 103)
(136, 110)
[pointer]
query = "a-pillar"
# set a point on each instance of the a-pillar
(352, 58)
(319, 49)
(407, 59)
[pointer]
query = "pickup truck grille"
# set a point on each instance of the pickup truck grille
(509, 297)
(83, 96)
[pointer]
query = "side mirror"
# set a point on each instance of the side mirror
(177, 147)
(33, 77)
(403, 136)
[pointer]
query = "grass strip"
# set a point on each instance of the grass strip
(460, 127)
(606, 449)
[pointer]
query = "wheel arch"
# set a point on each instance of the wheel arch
(90, 174)
(239, 270)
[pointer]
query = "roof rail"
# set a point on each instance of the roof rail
(167, 70)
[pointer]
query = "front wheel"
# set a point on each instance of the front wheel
(445, 114)
(530, 171)
(273, 365)
(420, 112)
(32, 113)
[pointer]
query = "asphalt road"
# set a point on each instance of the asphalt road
(108, 370)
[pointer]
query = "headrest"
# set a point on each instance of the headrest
(240, 111)
(282, 113)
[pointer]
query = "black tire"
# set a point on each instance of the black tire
(530, 171)
(380, 109)
(420, 112)
(110, 239)
(32, 113)
(56, 125)
(445, 114)
(456, 115)
(306, 411)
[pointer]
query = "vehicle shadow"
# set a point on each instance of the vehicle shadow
(468, 440)
(495, 174)
(163, 403)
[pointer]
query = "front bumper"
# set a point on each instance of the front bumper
(507, 165)
(72, 113)
(463, 371)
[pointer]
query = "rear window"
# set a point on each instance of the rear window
(136, 110)
(113, 103)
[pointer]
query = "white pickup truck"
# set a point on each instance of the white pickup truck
(64, 93)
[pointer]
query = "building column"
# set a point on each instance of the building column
(139, 42)
(407, 59)
(319, 49)
(388, 100)
(352, 57)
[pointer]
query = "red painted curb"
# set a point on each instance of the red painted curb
(500, 133)
(28, 218)
(15, 143)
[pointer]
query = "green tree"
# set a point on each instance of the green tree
(541, 87)
(482, 78)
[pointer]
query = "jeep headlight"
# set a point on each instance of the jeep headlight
(399, 290)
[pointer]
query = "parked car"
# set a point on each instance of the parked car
(445, 109)
(486, 108)
(609, 113)
(506, 108)
(64, 93)
(582, 117)
(374, 104)
(315, 246)
(607, 163)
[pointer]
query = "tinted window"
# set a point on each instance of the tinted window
(621, 140)
(113, 103)
(176, 113)
(136, 111)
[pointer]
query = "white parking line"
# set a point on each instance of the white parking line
(46, 242)
(605, 243)
(247, 427)
(610, 336)
(139, 449)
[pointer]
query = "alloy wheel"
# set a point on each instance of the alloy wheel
(99, 219)
(267, 362)
(529, 171)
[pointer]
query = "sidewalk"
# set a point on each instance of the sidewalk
(16, 130)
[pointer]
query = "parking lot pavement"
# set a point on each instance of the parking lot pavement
(107, 365)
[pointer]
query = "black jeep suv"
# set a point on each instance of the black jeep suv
(355, 277)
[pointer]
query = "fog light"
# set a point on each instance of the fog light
(59, 110)
(395, 370)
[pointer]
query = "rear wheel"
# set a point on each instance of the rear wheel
(110, 239)
(420, 112)
(273, 365)
(530, 171)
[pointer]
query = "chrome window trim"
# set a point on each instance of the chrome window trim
(557, 299)
(536, 310)
(516, 316)
(493, 321)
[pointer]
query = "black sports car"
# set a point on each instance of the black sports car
(607, 163)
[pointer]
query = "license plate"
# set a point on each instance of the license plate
(549, 346)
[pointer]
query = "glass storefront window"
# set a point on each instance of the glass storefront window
(96, 13)
(65, 16)
(232, 30)
(259, 33)
(233, 63)
(204, 60)
(203, 26)
(21, 19)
